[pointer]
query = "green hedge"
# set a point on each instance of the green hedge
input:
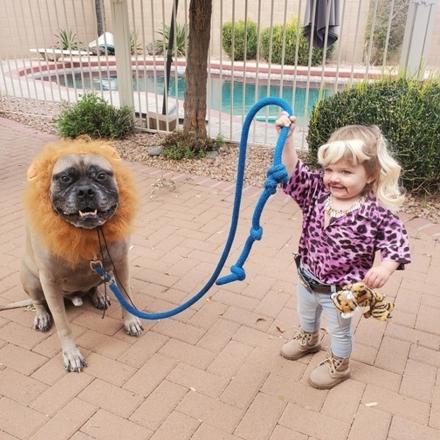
(291, 31)
(408, 113)
(93, 116)
(239, 39)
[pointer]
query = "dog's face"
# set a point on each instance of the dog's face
(83, 190)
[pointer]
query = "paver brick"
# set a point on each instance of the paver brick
(190, 354)
(425, 355)
(19, 420)
(159, 404)
(150, 375)
(21, 336)
(26, 392)
(364, 353)
(21, 360)
(106, 426)
(230, 359)
(247, 318)
(57, 396)
(403, 428)
(175, 329)
(66, 421)
(50, 346)
(244, 386)
(176, 426)
(434, 417)
(261, 417)
(111, 398)
(392, 355)
(198, 379)
(218, 335)
(206, 409)
(208, 314)
(415, 336)
(398, 404)
(370, 332)
(342, 402)
(370, 423)
(428, 319)
(289, 389)
(102, 344)
(51, 372)
(418, 381)
(227, 297)
(5, 436)
(313, 423)
(206, 431)
(143, 348)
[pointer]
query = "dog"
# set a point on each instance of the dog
(78, 194)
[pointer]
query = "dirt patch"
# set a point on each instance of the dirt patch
(222, 167)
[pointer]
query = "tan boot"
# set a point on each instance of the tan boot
(330, 372)
(301, 344)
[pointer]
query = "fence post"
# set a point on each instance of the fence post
(417, 38)
(121, 33)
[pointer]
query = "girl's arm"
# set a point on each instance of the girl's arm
(377, 276)
(289, 156)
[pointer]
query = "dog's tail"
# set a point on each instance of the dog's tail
(16, 305)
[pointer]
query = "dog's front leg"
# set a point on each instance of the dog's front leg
(72, 357)
(132, 324)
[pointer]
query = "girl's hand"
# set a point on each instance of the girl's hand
(376, 277)
(285, 121)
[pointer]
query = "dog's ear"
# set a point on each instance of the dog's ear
(32, 172)
(111, 151)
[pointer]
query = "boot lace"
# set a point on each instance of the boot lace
(304, 338)
(332, 363)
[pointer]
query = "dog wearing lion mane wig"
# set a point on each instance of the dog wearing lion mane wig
(79, 195)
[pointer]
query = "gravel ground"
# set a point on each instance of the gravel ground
(221, 167)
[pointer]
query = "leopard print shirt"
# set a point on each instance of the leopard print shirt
(344, 251)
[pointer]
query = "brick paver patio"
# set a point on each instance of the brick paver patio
(212, 372)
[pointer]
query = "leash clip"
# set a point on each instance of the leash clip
(98, 268)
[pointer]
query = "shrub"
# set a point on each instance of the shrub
(67, 40)
(93, 116)
(179, 43)
(179, 145)
(238, 31)
(407, 111)
(135, 45)
(291, 32)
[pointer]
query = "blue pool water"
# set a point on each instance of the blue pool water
(237, 97)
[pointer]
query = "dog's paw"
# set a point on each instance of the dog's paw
(74, 361)
(99, 300)
(133, 326)
(42, 321)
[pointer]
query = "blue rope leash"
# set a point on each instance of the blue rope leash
(276, 174)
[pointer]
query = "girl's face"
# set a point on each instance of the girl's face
(344, 180)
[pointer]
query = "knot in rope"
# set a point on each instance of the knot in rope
(257, 233)
(239, 272)
(278, 173)
(275, 175)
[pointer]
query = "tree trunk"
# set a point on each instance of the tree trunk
(196, 67)
(100, 16)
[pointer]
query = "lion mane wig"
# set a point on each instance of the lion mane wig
(63, 239)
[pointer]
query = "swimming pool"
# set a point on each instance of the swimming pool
(227, 96)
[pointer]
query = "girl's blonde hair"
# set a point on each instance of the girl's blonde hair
(360, 144)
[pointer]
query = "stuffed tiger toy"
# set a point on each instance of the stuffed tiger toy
(359, 295)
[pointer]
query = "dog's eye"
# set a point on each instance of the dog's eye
(101, 176)
(65, 179)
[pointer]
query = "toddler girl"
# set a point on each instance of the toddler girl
(347, 216)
